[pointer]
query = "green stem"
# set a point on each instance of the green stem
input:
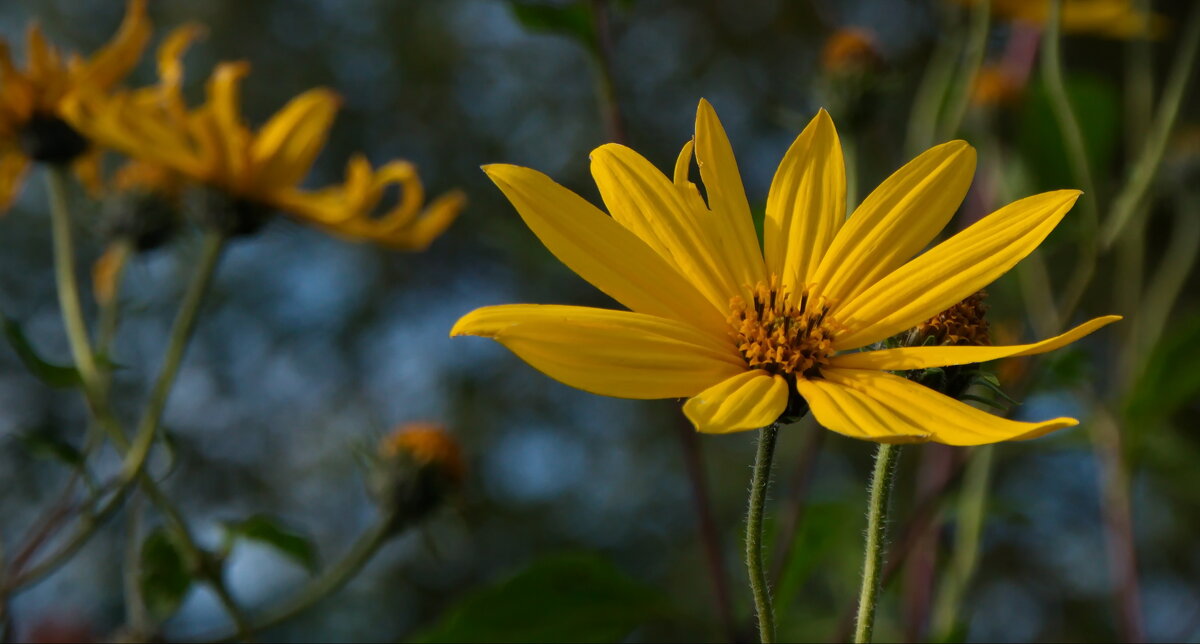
(754, 523)
(1077, 157)
(64, 272)
(181, 332)
(1145, 168)
(330, 581)
(873, 554)
(931, 92)
(972, 506)
(976, 47)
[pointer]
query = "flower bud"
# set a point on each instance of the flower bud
(416, 467)
(963, 324)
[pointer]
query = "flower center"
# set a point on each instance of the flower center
(778, 336)
(963, 324)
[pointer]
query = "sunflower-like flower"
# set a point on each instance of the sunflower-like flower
(1105, 18)
(32, 126)
(736, 328)
(255, 172)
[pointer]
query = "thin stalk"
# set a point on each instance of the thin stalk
(754, 523)
(973, 52)
(1169, 279)
(882, 481)
(327, 583)
(606, 89)
(972, 509)
(1077, 158)
(136, 616)
(64, 272)
(181, 332)
(1145, 168)
(931, 93)
(706, 526)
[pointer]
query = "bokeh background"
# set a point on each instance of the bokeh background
(311, 348)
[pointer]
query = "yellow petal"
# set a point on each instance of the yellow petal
(896, 220)
(227, 131)
(13, 166)
(642, 200)
(612, 353)
(952, 270)
(806, 205)
(907, 358)
(601, 251)
(748, 400)
(114, 62)
(731, 219)
(878, 406)
(285, 148)
(170, 53)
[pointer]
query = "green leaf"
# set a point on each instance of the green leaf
(43, 443)
(164, 574)
(272, 532)
(51, 374)
(570, 597)
(572, 20)
(1170, 379)
(825, 527)
(1095, 104)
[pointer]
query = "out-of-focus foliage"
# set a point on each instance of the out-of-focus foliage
(310, 347)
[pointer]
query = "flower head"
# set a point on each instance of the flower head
(32, 99)
(416, 467)
(736, 328)
(256, 171)
(848, 50)
(1106, 18)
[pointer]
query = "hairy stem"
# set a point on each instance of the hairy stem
(882, 480)
(754, 524)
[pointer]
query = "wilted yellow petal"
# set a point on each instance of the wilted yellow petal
(285, 148)
(114, 62)
(612, 353)
(746, 401)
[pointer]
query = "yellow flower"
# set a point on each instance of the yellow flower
(1107, 18)
(261, 170)
(995, 85)
(850, 49)
(32, 99)
(736, 328)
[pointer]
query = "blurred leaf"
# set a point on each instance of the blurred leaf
(41, 442)
(271, 532)
(1171, 378)
(825, 526)
(572, 20)
(573, 597)
(164, 575)
(51, 374)
(1095, 103)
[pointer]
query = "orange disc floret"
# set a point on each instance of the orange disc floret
(427, 443)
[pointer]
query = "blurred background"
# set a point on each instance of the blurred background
(312, 348)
